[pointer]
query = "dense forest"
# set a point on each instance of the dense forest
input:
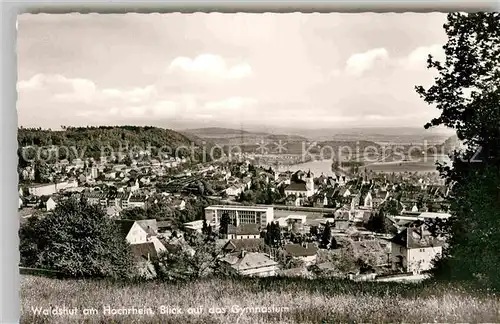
(83, 142)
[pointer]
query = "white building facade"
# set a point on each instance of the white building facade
(261, 215)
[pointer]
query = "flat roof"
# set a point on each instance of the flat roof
(194, 223)
(239, 207)
(434, 215)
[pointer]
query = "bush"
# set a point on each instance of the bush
(77, 239)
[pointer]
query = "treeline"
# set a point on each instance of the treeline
(84, 142)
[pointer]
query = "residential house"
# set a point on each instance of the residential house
(414, 248)
(293, 200)
(96, 198)
(292, 222)
(248, 245)
(110, 175)
(42, 189)
(113, 211)
(243, 231)
(179, 204)
(82, 178)
(141, 231)
(247, 182)
(345, 193)
(94, 172)
(137, 201)
(32, 201)
(194, 226)
(306, 252)
(283, 177)
(51, 203)
(342, 219)
(133, 185)
(144, 180)
(235, 190)
(117, 199)
(252, 264)
(368, 200)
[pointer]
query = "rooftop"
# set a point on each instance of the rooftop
(417, 235)
(239, 207)
(249, 260)
(297, 250)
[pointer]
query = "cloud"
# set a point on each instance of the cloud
(234, 103)
(210, 64)
(358, 63)
(56, 87)
(239, 71)
(418, 57)
(133, 95)
(59, 86)
(165, 108)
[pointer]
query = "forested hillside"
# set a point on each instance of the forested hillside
(92, 141)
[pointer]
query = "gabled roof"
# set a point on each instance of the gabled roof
(249, 245)
(125, 225)
(249, 260)
(296, 186)
(137, 198)
(297, 250)
(149, 225)
(416, 235)
(95, 194)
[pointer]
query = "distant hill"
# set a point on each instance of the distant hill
(228, 136)
(216, 132)
(90, 141)
(394, 135)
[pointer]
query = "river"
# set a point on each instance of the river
(319, 167)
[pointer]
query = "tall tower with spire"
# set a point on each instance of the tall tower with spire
(309, 183)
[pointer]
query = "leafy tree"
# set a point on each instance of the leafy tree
(313, 230)
(326, 237)
(204, 229)
(335, 165)
(127, 160)
(333, 243)
(225, 220)
(78, 240)
(41, 172)
(467, 93)
(136, 213)
(273, 235)
(184, 263)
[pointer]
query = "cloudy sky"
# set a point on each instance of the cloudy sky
(195, 70)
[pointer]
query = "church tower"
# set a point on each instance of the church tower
(309, 183)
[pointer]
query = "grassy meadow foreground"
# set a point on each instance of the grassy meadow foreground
(286, 301)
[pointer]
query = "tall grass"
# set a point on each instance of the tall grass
(304, 301)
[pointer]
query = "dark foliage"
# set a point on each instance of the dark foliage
(76, 239)
(82, 142)
(326, 237)
(224, 222)
(468, 95)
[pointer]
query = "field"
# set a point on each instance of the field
(241, 301)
